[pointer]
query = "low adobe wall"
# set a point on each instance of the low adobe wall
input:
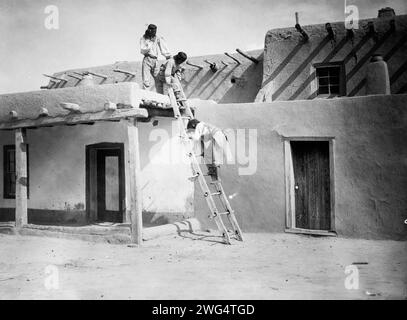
(370, 169)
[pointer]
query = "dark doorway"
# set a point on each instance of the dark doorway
(105, 182)
(311, 184)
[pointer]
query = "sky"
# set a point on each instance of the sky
(98, 32)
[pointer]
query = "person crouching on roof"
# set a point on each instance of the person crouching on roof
(199, 129)
(170, 75)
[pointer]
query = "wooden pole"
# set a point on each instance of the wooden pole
(21, 177)
(247, 56)
(233, 58)
(194, 65)
(134, 192)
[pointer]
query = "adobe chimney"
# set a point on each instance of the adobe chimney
(377, 76)
(386, 12)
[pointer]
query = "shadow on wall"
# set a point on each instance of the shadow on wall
(235, 80)
(245, 87)
(231, 83)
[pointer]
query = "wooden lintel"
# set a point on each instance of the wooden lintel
(155, 112)
(21, 177)
(76, 118)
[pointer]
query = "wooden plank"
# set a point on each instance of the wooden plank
(21, 177)
(75, 118)
(289, 186)
(332, 181)
(134, 194)
(312, 232)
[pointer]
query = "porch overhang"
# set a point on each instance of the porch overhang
(72, 119)
(80, 105)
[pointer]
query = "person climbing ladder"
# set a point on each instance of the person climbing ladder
(221, 148)
(192, 131)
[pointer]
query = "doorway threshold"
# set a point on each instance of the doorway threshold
(312, 232)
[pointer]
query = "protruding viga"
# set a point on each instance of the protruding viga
(73, 107)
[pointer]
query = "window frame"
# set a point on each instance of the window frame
(341, 75)
(7, 194)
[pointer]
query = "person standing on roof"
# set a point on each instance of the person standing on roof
(170, 75)
(151, 46)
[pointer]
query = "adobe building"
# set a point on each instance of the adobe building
(319, 142)
(81, 155)
(332, 62)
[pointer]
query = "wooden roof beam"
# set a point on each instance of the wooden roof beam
(76, 118)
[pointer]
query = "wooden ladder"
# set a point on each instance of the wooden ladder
(215, 182)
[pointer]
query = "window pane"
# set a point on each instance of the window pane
(323, 90)
(334, 80)
(12, 167)
(322, 72)
(10, 172)
(334, 89)
(323, 81)
(12, 184)
(334, 71)
(329, 79)
(10, 160)
(112, 183)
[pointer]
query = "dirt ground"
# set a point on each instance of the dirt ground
(265, 266)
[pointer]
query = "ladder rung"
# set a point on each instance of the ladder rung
(214, 182)
(216, 193)
(226, 212)
(195, 176)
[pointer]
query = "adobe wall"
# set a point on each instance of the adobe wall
(288, 63)
(370, 169)
(57, 172)
(231, 83)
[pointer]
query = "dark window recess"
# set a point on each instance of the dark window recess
(9, 165)
(329, 80)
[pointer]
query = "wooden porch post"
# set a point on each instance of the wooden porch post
(21, 177)
(134, 192)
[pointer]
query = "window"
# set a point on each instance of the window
(9, 165)
(330, 80)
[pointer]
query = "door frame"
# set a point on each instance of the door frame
(91, 178)
(289, 186)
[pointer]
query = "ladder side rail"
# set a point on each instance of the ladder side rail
(197, 170)
(231, 216)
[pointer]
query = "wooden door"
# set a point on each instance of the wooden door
(312, 184)
(109, 185)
